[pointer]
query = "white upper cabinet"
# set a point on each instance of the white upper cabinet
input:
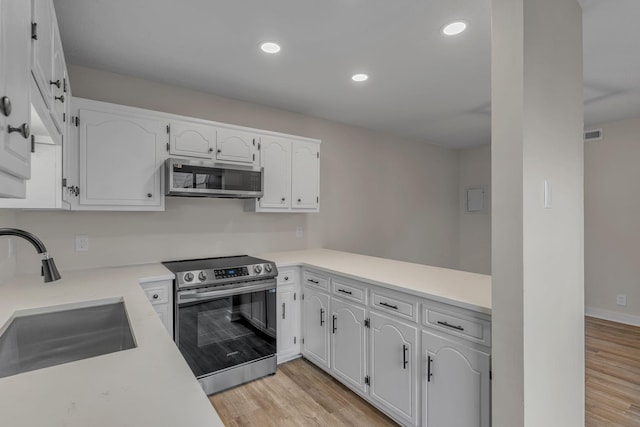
(15, 110)
(43, 17)
(275, 159)
(456, 387)
(236, 146)
(192, 139)
(59, 98)
(305, 184)
(120, 161)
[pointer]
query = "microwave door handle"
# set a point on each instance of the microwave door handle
(184, 297)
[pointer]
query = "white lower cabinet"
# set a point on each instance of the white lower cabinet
(160, 295)
(349, 343)
(288, 312)
(394, 366)
(315, 344)
(456, 386)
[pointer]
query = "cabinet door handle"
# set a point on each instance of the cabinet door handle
(283, 310)
(335, 318)
(23, 130)
(5, 106)
(395, 307)
(55, 83)
(313, 281)
(59, 98)
(321, 316)
(405, 362)
(449, 325)
(345, 291)
(429, 373)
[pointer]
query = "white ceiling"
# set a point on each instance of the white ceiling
(422, 84)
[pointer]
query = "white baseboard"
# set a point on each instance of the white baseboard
(614, 316)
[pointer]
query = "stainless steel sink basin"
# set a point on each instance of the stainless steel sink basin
(61, 335)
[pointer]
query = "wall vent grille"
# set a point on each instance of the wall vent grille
(593, 135)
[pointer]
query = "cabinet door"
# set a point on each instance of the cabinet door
(348, 343)
(275, 158)
(316, 332)
(457, 393)
(42, 67)
(192, 139)
(305, 184)
(288, 322)
(237, 146)
(394, 366)
(120, 163)
(14, 85)
(59, 99)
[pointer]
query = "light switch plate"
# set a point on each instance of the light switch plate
(299, 231)
(82, 243)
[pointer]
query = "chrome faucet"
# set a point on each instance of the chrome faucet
(49, 270)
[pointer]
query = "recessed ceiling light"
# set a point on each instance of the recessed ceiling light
(270, 47)
(454, 28)
(359, 77)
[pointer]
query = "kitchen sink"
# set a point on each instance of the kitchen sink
(57, 335)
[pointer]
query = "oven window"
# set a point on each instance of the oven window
(226, 332)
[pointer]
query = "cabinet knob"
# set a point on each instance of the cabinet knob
(211, 150)
(219, 151)
(5, 106)
(59, 98)
(149, 195)
(283, 199)
(299, 200)
(55, 83)
(155, 296)
(23, 130)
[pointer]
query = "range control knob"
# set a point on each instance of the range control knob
(257, 268)
(267, 268)
(202, 276)
(188, 277)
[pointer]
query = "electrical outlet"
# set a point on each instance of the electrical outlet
(621, 300)
(82, 243)
(299, 231)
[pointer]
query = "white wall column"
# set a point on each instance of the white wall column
(537, 252)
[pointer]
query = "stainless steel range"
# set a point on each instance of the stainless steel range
(225, 318)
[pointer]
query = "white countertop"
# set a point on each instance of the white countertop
(150, 385)
(460, 288)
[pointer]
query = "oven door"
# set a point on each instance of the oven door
(217, 329)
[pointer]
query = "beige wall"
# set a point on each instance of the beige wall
(8, 219)
(612, 221)
(537, 253)
(475, 228)
(380, 194)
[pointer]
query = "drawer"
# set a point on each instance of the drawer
(473, 329)
(287, 276)
(315, 280)
(398, 304)
(157, 294)
(349, 290)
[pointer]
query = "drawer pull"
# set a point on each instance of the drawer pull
(283, 310)
(335, 318)
(429, 373)
(313, 281)
(321, 316)
(395, 307)
(345, 291)
(155, 296)
(448, 325)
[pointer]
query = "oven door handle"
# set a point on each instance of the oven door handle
(187, 297)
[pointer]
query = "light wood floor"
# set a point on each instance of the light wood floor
(299, 394)
(612, 374)
(302, 395)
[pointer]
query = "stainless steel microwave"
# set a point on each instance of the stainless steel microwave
(202, 178)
